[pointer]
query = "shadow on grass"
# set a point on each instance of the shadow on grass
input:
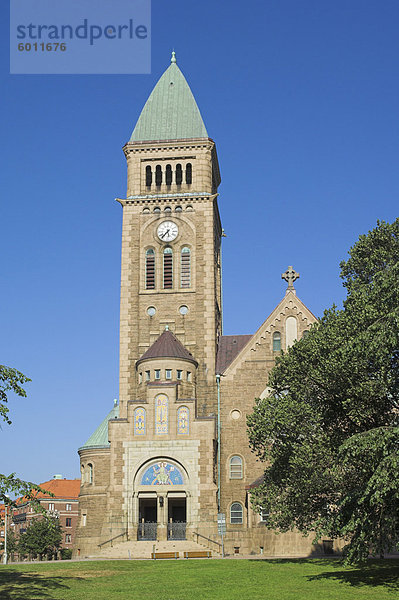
(384, 573)
(374, 573)
(16, 585)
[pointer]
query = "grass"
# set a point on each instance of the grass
(201, 580)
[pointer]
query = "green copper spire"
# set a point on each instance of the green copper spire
(170, 112)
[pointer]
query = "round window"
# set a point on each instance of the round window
(151, 310)
(235, 414)
(183, 310)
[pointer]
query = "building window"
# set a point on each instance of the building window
(168, 373)
(157, 373)
(68, 507)
(139, 421)
(179, 174)
(150, 269)
(90, 473)
(183, 420)
(179, 374)
(68, 538)
(185, 267)
(148, 176)
(161, 414)
(264, 515)
(189, 376)
(51, 506)
(140, 377)
(68, 522)
(236, 513)
(167, 269)
(189, 173)
(84, 520)
(236, 467)
(168, 175)
(147, 375)
(276, 341)
(158, 175)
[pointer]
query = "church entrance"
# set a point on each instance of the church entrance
(147, 526)
(177, 518)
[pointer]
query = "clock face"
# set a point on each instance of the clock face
(167, 231)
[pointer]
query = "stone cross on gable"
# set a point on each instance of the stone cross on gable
(290, 276)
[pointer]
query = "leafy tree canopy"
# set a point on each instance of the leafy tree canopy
(12, 380)
(42, 537)
(329, 430)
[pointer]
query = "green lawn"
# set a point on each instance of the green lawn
(200, 580)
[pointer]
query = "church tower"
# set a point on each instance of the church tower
(173, 455)
(171, 238)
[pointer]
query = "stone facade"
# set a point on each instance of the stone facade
(158, 468)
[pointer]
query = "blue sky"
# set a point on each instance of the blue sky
(302, 100)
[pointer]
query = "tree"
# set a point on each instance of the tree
(12, 380)
(329, 430)
(42, 538)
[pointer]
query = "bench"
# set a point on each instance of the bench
(198, 554)
(156, 555)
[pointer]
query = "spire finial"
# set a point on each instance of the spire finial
(115, 402)
(290, 276)
(166, 327)
(173, 59)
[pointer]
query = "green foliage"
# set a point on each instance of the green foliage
(11, 380)
(42, 538)
(66, 554)
(329, 431)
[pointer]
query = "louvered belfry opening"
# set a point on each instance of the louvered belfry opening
(150, 269)
(179, 174)
(168, 175)
(158, 175)
(167, 269)
(148, 176)
(189, 173)
(185, 267)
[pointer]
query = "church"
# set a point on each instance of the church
(173, 454)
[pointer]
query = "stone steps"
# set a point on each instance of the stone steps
(143, 549)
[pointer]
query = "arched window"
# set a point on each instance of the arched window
(89, 473)
(148, 176)
(236, 467)
(183, 420)
(161, 414)
(179, 174)
(167, 269)
(189, 173)
(82, 474)
(139, 421)
(158, 175)
(168, 175)
(236, 513)
(185, 267)
(150, 269)
(276, 341)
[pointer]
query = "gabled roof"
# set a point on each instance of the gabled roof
(99, 439)
(167, 346)
(171, 112)
(229, 347)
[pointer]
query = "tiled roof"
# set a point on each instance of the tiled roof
(99, 439)
(170, 112)
(167, 346)
(61, 488)
(229, 347)
(255, 483)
